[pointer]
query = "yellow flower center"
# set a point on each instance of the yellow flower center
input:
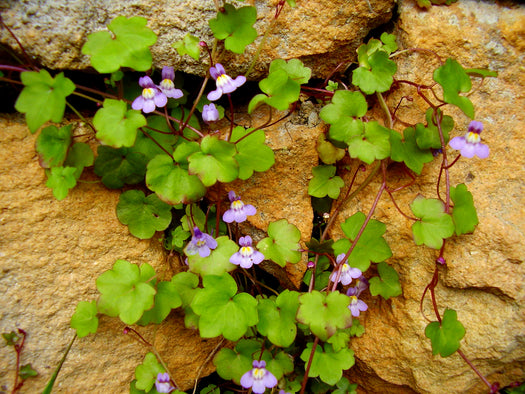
(237, 205)
(167, 84)
(472, 138)
(246, 251)
(258, 373)
(345, 268)
(148, 93)
(223, 79)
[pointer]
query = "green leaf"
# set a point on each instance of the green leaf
(378, 76)
(389, 41)
(328, 152)
(445, 337)
(166, 299)
(235, 26)
(186, 286)
(294, 68)
(116, 125)
(341, 114)
(232, 364)
(291, 3)
(218, 262)
(328, 364)
(454, 80)
(277, 318)
(148, 145)
(146, 373)
(215, 161)
(434, 224)
(52, 145)
(118, 167)
(127, 47)
(428, 136)
(127, 290)
(61, 179)
(371, 245)
(27, 371)
(406, 150)
(143, 215)
(324, 314)
(221, 311)
(387, 284)
(282, 244)
(176, 238)
(340, 339)
(189, 45)
(11, 338)
(325, 182)
(464, 213)
(172, 183)
(480, 72)
(85, 319)
(252, 152)
(43, 97)
(374, 144)
(280, 91)
(79, 156)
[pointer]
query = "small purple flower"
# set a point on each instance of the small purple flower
(347, 273)
(162, 384)
(360, 286)
(200, 243)
(238, 210)
(247, 255)
(356, 306)
(283, 392)
(225, 83)
(210, 113)
(258, 378)
(167, 86)
(470, 144)
(150, 98)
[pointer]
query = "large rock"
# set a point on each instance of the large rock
(484, 277)
(51, 253)
(54, 31)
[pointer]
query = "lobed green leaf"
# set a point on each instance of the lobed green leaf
(235, 26)
(282, 244)
(252, 152)
(143, 215)
(43, 97)
(445, 336)
(52, 145)
(85, 320)
(328, 364)
(277, 318)
(127, 47)
(325, 182)
(454, 80)
(464, 212)
(387, 284)
(434, 224)
(407, 150)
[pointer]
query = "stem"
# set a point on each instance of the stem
(308, 365)
(206, 362)
(385, 109)
(483, 378)
(81, 117)
(18, 350)
(365, 223)
(231, 117)
(141, 339)
(12, 68)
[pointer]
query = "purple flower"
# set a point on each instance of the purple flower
(360, 286)
(162, 384)
(238, 210)
(167, 86)
(225, 83)
(258, 378)
(470, 144)
(200, 243)
(246, 256)
(150, 98)
(347, 273)
(210, 113)
(356, 306)
(283, 392)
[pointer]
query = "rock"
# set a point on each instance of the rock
(484, 277)
(51, 253)
(53, 32)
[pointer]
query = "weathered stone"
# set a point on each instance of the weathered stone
(53, 32)
(484, 276)
(51, 253)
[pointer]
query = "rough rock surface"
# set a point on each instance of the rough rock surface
(51, 252)
(53, 32)
(484, 277)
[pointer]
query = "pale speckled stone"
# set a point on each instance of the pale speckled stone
(53, 32)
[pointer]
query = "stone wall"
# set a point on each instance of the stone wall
(52, 251)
